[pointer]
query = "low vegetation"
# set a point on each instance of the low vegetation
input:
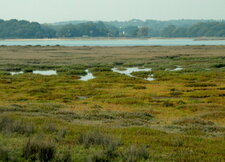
(177, 117)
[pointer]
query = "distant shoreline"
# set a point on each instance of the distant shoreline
(112, 38)
(86, 38)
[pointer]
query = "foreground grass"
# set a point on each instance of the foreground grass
(178, 117)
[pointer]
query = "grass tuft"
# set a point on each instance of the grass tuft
(136, 153)
(37, 149)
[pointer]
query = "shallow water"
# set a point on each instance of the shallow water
(45, 72)
(150, 78)
(16, 73)
(129, 71)
(178, 68)
(41, 72)
(88, 76)
(118, 42)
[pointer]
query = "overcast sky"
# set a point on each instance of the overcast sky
(63, 10)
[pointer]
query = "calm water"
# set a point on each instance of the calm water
(41, 72)
(146, 42)
(88, 76)
(16, 73)
(129, 71)
(45, 72)
(178, 68)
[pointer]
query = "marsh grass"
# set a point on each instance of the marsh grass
(98, 156)
(63, 156)
(28, 70)
(219, 65)
(72, 70)
(193, 121)
(101, 69)
(109, 145)
(180, 115)
(9, 125)
(142, 74)
(76, 72)
(4, 73)
(4, 155)
(37, 149)
(97, 138)
(136, 153)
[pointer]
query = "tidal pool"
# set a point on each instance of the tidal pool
(178, 68)
(88, 76)
(150, 78)
(129, 71)
(15, 73)
(45, 72)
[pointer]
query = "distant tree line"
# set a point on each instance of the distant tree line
(210, 29)
(88, 29)
(25, 29)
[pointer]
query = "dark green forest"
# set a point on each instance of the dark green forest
(133, 28)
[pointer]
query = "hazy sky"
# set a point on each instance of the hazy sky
(63, 10)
